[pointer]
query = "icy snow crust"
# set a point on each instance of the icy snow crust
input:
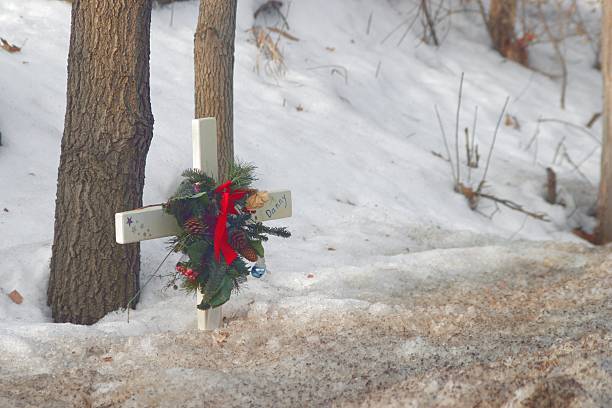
(391, 291)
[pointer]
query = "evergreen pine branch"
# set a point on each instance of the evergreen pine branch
(242, 175)
(238, 272)
(282, 232)
(199, 176)
(191, 177)
(260, 229)
(183, 189)
(255, 228)
(237, 221)
(239, 282)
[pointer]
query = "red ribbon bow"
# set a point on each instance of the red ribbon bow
(228, 201)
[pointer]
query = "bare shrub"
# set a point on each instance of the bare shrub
(474, 191)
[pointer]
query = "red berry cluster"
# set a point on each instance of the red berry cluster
(189, 273)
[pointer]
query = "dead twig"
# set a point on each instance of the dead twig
(515, 233)
(534, 141)
(551, 186)
(588, 156)
(516, 207)
(439, 156)
(283, 33)
(473, 156)
(593, 119)
(484, 176)
(576, 168)
(472, 195)
(570, 124)
(556, 46)
(335, 69)
(430, 23)
(400, 25)
(560, 145)
(457, 126)
(430, 19)
(455, 179)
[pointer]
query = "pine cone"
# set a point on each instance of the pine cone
(240, 242)
(194, 226)
(249, 253)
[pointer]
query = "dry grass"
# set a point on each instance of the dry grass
(269, 28)
(269, 55)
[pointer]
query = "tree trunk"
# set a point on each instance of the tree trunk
(214, 73)
(502, 16)
(605, 186)
(107, 132)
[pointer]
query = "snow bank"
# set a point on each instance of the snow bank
(369, 195)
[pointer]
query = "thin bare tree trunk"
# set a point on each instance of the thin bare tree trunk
(107, 132)
(502, 16)
(214, 73)
(605, 186)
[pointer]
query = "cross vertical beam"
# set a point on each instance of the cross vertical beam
(204, 139)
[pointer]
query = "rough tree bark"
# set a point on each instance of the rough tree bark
(107, 132)
(502, 16)
(214, 73)
(605, 185)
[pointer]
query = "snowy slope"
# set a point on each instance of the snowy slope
(391, 291)
(357, 154)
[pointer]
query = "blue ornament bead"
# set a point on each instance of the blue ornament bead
(257, 271)
(259, 268)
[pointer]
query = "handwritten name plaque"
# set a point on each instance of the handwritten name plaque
(278, 206)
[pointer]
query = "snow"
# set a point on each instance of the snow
(375, 216)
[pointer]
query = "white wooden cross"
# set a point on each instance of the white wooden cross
(153, 222)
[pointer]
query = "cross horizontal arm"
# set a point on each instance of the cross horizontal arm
(153, 222)
(143, 224)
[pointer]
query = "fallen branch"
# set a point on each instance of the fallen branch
(474, 197)
(516, 207)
